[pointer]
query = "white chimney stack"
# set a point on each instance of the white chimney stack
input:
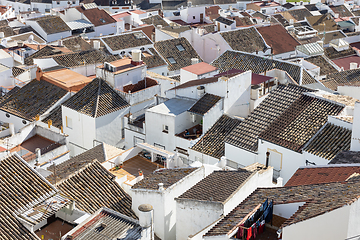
(12, 129)
(146, 221)
(355, 136)
(200, 91)
(353, 65)
(161, 187)
(222, 162)
(97, 44)
(279, 182)
(194, 61)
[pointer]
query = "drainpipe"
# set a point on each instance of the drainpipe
(267, 159)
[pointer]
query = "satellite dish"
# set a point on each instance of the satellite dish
(30, 38)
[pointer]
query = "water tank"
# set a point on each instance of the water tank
(200, 91)
(136, 55)
(97, 44)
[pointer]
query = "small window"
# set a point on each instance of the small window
(7, 115)
(122, 52)
(68, 122)
(142, 49)
(58, 3)
(165, 128)
(171, 60)
(24, 122)
(193, 17)
(74, 2)
(180, 47)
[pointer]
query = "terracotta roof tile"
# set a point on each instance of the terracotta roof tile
(324, 64)
(212, 143)
(96, 16)
(204, 104)
(126, 40)
(166, 176)
(330, 141)
(326, 174)
(300, 122)
(346, 157)
(52, 24)
(246, 134)
(218, 186)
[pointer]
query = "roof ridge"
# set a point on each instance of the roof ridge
(97, 98)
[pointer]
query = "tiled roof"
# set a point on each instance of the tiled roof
(83, 58)
(281, 20)
(155, 20)
(35, 98)
(342, 11)
(330, 141)
(246, 40)
(74, 164)
(307, 78)
(9, 94)
(126, 40)
(140, 85)
(8, 31)
(242, 21)
(94, 187)
(332, 53)
(96, 16)
(344, 63)
(346, 157)
(300, 14)
(52, 24)
(246, 134)
(288, 5)
(278, 38)
(212, 10)
(356, 13)
(154, 60)
(319, 198)
(343, 78)
(76, 44)
(166, 176)
(311, 7)
(223, 20)
(96, 99)
(16, 71)
(300, 122)
(355, 20)
(21, 187)
(174, 31)
(212, 143)
(259, 15)
(204, 104)
(325, 67)
(218, 186)
(326, 174)
(45, 51)
(168, 49)
(331, 35)
(317, 22)
(107, 224)
(257, 64)
(55, 116)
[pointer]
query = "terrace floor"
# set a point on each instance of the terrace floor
(55, 230)
(132, 167)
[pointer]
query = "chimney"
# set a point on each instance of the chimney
(159, 26)
(267, 159)
(194, 61)
(96, 44)
(136, 57)
(355, 136)
(353, 65)
(38, 153)
(39, 74)
(161, 187)
(60, 43)
(20, 44)
(12, 129)
(146, 221)
(222, 162)
(200, 91)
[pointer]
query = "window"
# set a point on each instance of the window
(263, 11)
(180, 47)
(58, 3)
(24, 122)
(165, 128)
(7, 115)
(193, 17)
(171, 60)
(74, 2)
(68, 122)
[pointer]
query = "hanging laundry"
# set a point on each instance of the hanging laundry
(262, 226)
(240, 232)
(249, 233)
(269, 212)
(254, 230)
(264, 205)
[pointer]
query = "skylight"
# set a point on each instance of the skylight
(180, 47)
(171, 60)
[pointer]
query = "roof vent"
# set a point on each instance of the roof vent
(161, 187)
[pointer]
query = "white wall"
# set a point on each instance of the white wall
(45, 63)
(164, 203)
(188, 14)
(330, 225)
(210, 118)
(355, 136)
(354, 220)
(352, 91)
(82, 131)
(109, 126)
(287, 210)
(240, 155)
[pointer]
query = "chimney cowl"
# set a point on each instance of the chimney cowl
(145, 207)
